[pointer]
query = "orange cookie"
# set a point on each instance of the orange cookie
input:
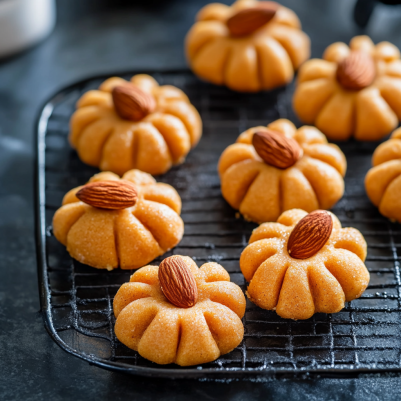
(304, 264)
(179, 313)
(353, 91)
(248, 47)
(383, 181)
(270, 170)
(113, 222)
(137, 124)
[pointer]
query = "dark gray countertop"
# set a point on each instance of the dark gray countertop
(102, 42)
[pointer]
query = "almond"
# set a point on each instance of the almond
(132, 103)
(276, 149)
(112, 195)
(178, 282)
(248, 20)
(310, 234)
(356, 71)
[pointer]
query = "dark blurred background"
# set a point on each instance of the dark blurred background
(95, 37)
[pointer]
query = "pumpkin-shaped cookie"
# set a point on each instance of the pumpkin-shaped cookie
(138, 124)
(270, 170)
(353, 91)
(383, 181)
(179, 313)
(304, 264)
(113, 222)
(248, 47)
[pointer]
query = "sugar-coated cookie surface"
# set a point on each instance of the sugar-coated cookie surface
(128, 238)
(159, 135)
(298, 288)
(383, 181)
(160, 331)
(248, 47)
(354, 90)
(261, 191)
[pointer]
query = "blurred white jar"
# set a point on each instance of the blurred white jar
(24, 23)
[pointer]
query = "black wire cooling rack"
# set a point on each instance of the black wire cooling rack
(76, 300)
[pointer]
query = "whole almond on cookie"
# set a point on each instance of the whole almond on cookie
(356, 71)
(178, 282)
(113, 195)
(248, 20)
(310, 235)
(276, 149)
(132, 103)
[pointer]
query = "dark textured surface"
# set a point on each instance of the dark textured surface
(83, 44)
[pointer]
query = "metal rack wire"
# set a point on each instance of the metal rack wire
(77, 299)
